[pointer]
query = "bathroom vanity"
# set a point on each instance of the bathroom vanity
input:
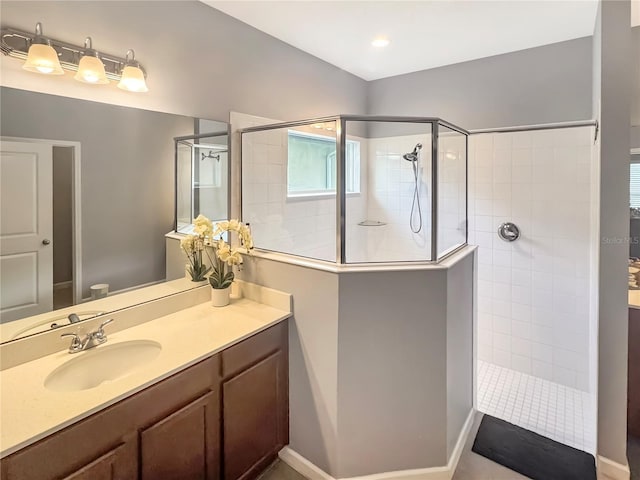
(212, 405)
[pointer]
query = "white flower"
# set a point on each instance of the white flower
(234, 225)
(221, 227)
(235, 258)
(222, 248)
(187, 243)
(203, 226)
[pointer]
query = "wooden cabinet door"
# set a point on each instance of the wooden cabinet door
(185, 445)
(255, 417)
(121, 463)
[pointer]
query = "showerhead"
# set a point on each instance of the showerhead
(413, 156)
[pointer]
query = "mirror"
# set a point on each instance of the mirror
(87, 197)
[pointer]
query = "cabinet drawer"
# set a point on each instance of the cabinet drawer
(253, 349)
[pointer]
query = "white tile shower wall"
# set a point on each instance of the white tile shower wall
(390, 194)
(534, 294)
(391, 189)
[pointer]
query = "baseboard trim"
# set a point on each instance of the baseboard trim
(613, 470)
(313, 472)
(303, 466)
(462, 440)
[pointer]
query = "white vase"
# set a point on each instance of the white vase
(220, 296)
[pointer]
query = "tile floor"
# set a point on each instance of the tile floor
(560, 413)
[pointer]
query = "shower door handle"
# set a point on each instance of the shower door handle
(509, 232)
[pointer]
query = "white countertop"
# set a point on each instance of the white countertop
(29, 411)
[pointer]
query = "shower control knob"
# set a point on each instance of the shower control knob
(46, 241)
(509, 232)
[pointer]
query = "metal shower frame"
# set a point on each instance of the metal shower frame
(195, 137)
(341, 197)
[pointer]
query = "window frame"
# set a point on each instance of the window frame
(353, 172)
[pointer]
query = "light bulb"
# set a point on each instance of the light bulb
(133, 80)
(43, 59)
(91, 70)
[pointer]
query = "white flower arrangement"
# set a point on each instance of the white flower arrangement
(194, 245)
(225, 257)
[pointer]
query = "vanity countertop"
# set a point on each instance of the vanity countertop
(29, 411)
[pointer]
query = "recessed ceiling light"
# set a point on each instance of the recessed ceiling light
(380, 42)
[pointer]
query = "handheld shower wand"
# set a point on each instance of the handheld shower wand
(414, 158)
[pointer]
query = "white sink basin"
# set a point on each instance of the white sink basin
(101, 364)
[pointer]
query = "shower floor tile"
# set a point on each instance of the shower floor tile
(560, 413)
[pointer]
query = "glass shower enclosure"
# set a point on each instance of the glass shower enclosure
(357, 189)
(202, 179)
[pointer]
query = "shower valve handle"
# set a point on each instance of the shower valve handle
(509, 232)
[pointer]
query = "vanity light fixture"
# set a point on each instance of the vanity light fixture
(41, 56)
(49, 56)
(91, 68)
(132, 76)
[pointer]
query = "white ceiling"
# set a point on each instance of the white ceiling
(424, 34)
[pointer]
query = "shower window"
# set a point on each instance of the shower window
(311, 165)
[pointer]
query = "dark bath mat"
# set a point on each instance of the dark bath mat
(530, 454)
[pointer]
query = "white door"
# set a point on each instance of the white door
(26, 229)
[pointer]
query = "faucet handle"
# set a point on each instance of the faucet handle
(76, 343)
(100, 332)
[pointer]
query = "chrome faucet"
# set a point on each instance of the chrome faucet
(91, 339)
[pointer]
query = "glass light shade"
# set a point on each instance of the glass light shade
(43, 59)
(91, 70)
(133, 80)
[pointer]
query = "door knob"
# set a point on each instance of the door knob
(46, 241)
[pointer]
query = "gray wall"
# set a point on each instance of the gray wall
(539, 85)
(612, 79)
(460, 305)
(200, 61)
(392, 352)
(380, 364)
(126, 178)
(62, 214)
